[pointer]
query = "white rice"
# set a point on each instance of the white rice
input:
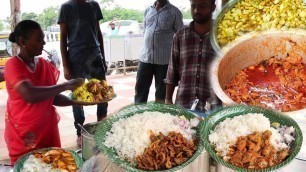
(33, 164)
(226, 132)
(130, 136)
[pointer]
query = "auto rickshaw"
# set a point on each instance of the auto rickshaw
(5, 52)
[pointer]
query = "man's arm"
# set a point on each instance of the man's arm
(172, 77)
(64, 51)
(178, 23)
(169, 93)
(100, 39)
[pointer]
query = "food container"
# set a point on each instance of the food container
(250, 50)
(249, 15)
(89, 147)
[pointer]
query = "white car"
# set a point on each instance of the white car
(126, 27)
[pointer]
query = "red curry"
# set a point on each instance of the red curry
(275, 83)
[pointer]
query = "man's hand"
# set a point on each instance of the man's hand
(67, 73)
(168, 101)
(105, 66)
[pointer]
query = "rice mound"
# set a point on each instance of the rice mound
(130, 136)
(226, 132)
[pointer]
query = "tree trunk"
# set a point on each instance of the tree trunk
(15, 18)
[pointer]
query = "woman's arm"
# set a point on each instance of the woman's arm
(61, 100)
(34, 94)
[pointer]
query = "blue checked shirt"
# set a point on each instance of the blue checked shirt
(159, 28)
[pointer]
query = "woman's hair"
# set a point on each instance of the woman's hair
(23, 29)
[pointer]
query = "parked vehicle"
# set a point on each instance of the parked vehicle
(126, 27)
(5, 52)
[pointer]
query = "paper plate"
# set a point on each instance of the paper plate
(231, 111)
(128, 111)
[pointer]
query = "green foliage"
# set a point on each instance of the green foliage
(1, 26)
(29, 16)
(104, 4)
(187, 14)
(122, 14)
(48, 17)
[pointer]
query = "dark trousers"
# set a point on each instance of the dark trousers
(144, 78)
(92, 68)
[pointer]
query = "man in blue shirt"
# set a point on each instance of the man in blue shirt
(161, 21)
(83, 53)
(113, 29)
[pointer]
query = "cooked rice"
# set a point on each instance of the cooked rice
(226, 132)
(130, 136)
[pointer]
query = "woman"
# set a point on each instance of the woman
(31, 119)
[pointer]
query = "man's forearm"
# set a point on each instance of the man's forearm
(64, 53)
(169, 92)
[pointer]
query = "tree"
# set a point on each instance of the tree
(122, 14)
(111, 10)
(48, 17)
(186, 14)
(29, 16)
(104, 4)
(1, 26)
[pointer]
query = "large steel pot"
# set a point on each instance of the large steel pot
(89, 147)
(250, 50)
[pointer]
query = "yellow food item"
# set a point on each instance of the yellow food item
(93, 91)
(59, 159)
(260, 15)
(2, 85)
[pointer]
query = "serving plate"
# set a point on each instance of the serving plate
(91, 103)
(105, 126)
(19, 163)
(231, 111)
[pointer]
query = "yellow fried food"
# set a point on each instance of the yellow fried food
(58, 158)
(93, 91)
(260, 15)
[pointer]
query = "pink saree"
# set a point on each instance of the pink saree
(29, 126)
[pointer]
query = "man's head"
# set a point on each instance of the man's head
(201, 10)
(112, 26)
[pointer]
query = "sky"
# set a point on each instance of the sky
(37, 6)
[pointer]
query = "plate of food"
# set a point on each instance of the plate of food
(93, 92)
(49, 159)
(247, 138)
(150, 137)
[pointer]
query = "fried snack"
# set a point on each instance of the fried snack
(58, 158)
(254, 151)
(166, 152)
(93, 91)
(275, 83)
(260, 15)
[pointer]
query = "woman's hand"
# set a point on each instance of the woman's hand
(74, 83)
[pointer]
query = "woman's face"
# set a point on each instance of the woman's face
(35, 43)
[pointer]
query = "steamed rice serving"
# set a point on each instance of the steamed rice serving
(226, 132)
(130, 136)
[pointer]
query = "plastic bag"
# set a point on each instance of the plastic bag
(94, 164)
